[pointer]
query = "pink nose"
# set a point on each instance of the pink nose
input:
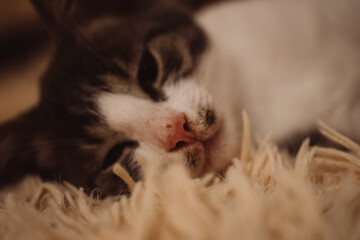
(170, 129)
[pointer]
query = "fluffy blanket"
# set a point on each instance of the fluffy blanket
(265, 194)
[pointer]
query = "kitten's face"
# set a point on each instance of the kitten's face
(126, 81)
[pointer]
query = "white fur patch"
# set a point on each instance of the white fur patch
(286, 62)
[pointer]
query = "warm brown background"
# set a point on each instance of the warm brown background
(18, 79)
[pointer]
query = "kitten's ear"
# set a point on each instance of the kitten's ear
(63, 16)
(56, 13)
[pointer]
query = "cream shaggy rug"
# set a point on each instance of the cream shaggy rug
(265, 194)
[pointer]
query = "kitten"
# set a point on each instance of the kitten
(103, 95)
(161, 82)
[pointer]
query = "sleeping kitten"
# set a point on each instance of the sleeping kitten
(103, 96)
(156, 81)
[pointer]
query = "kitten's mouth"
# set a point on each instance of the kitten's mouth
(194, 155)
(182, 144)
(199, 155)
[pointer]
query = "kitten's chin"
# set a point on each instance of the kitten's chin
(212, 155)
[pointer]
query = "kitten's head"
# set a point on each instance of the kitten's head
(121, 79)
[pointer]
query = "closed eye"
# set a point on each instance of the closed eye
(115, 153)
(148, 70)
(148, 74)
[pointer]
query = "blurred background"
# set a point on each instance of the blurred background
(24, 52)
